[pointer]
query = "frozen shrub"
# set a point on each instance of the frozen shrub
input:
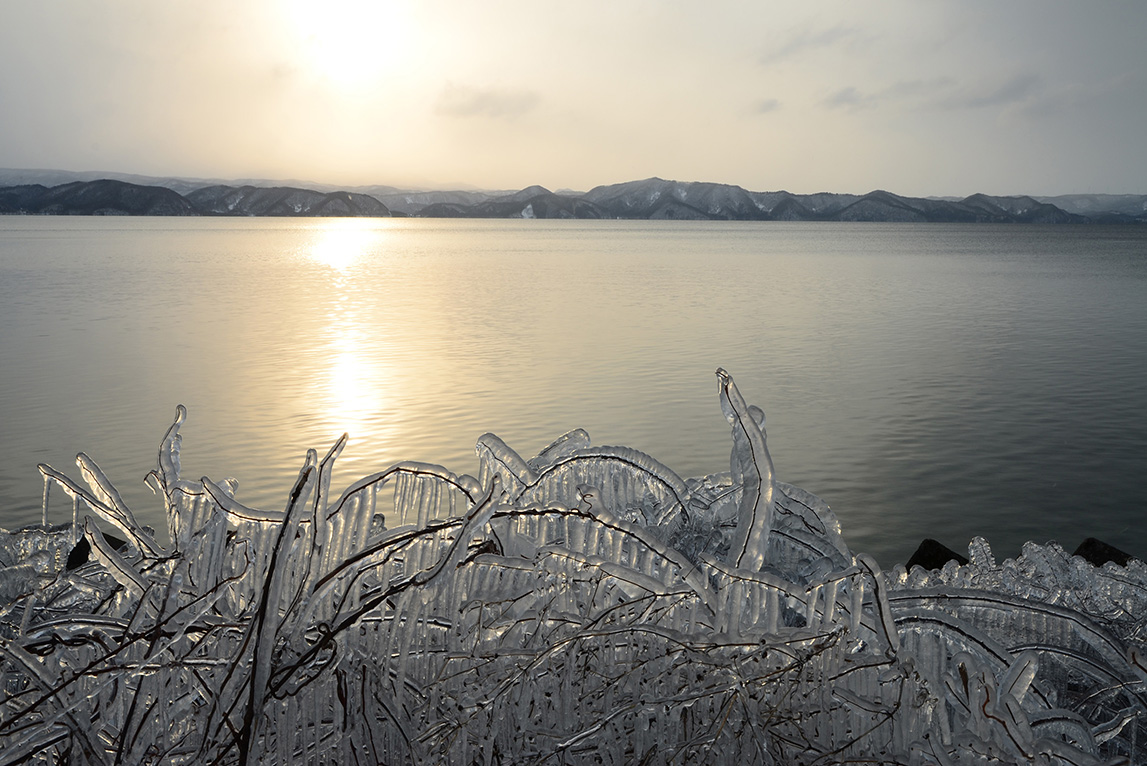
(583, 606)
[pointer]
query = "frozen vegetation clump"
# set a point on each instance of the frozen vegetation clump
(584, 606)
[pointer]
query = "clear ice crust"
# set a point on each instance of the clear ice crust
(587, 605)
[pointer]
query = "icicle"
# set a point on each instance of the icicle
(495, 458)
(752, 463)
(168, 462)
(564, 445)
(884, 620)
(44, 503)
(117, 509)
(135, 534)
(237, 510)
(105, 554)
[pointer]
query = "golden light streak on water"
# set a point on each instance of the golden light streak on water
(354, 388)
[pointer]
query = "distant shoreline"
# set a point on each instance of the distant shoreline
(650, 199)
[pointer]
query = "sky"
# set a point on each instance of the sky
(918, 97)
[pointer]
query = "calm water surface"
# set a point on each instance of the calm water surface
(925, 380)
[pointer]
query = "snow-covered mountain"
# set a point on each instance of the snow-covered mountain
(47, 191)
(112, 197)
(1101, 205)
(103, 197)
(656, 198)
(283, 201)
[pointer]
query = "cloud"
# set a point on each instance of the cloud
(765, 105)
(916, 89)
(496, 103)
(1017, 90)
(849, 98)
(901, 91)
(807, 40)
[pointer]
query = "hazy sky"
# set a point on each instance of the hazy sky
(920, 97)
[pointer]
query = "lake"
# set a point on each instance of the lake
(926, 380)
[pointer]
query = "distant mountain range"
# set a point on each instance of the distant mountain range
(35, 193)
(108, 197)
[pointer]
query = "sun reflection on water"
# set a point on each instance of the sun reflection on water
(351, 390)
(340, 242)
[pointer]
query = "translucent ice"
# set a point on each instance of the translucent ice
(586, 605)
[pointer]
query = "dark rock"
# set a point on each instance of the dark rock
(933, 555)
(82, 552)
(1099, 553)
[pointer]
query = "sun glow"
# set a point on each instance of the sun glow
(340, 243)
(351, 43)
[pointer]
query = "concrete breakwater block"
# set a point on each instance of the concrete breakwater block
(1099, 553)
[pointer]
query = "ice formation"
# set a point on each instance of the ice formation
(584, 606)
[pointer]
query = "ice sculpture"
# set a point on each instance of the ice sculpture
(584, 606)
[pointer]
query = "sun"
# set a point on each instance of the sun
(351, 43)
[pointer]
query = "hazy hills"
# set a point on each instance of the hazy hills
(108, 197)
(283, 201)
(652, 199)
